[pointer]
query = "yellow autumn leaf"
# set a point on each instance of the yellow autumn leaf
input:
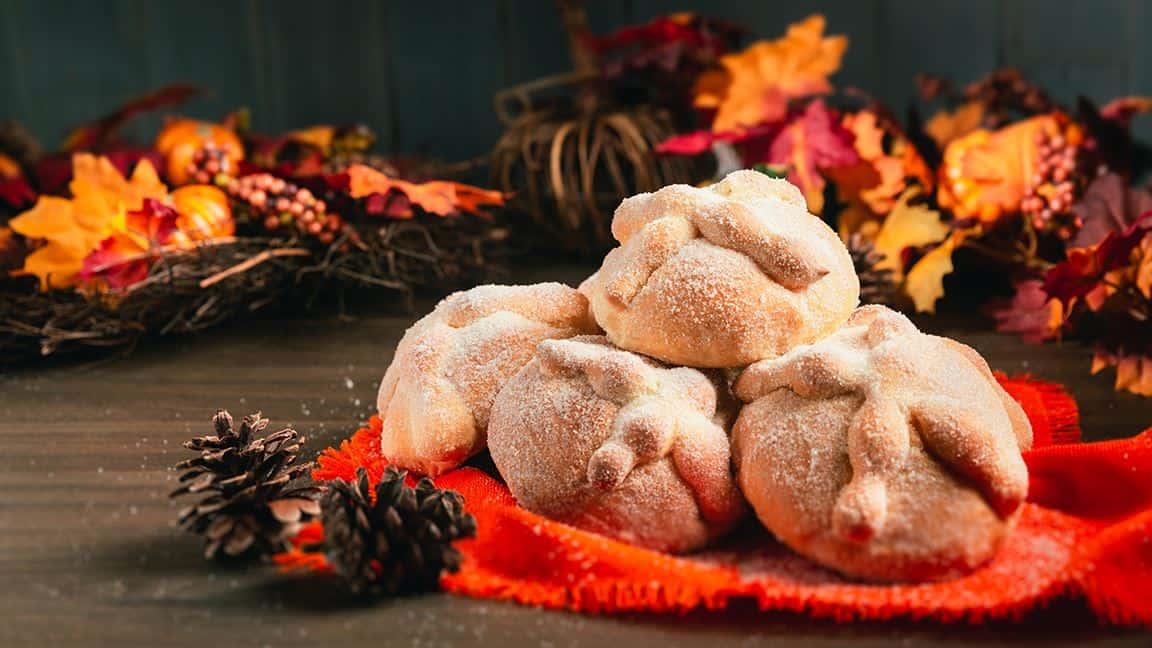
(925, 282)
(907, 225)
(57, 263)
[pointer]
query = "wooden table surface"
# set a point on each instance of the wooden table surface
(89, 554)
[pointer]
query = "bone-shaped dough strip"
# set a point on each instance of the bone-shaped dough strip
(549, 303)
(788, 260)
(878, 444)
(963, 440)
(652, 247)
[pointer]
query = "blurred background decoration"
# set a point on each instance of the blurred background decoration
(969, 154)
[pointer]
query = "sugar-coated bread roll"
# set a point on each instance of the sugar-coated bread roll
(436, 395)
(882, 452)
(616, 443)
(722, 276)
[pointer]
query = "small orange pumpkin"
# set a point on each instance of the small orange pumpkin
(203, 214)
(179, 140)
(985, 173)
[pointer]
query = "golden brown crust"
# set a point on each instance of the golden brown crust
(889, 416)
(435, 397)
(723, 276)
(613, 442)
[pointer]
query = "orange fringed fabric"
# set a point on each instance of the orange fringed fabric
(1086, 532)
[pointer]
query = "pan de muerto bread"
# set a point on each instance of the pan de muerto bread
(437, 393)
(882, 452)
(615, 443)
(722, 276)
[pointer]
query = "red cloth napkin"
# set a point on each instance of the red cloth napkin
(1086, 532)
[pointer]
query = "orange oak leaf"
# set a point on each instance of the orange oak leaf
(986, 173)
(755, 85)
(877, 179)
(440, 197)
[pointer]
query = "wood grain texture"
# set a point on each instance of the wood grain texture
(423, 73)
(89, 554)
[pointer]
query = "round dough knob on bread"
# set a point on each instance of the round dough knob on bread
(615, 443)
(721, 276)
(436, 395)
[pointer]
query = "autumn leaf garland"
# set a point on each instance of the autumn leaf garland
(68, 230)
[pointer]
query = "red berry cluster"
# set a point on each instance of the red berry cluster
(278, 203)
(1052, 188)
(211, 165)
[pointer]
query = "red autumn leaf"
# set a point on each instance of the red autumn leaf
(1085, 267)
(813, 141)
(1108, 205)
(755, 142)
(1074, 277)
(1030, 314)
(124, 258)
(393, 204)
(665, 42)
(117, 262)
(688, 143)
(16, 192)
(1116, 248)
(154, 221)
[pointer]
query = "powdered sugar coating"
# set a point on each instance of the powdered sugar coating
(436, 395)
(721, 276)
(882, 452)
(616, 443)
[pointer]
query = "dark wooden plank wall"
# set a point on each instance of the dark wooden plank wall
(423, 72)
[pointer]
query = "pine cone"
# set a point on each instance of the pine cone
(250, 505)
(877, 285)
(402, 541)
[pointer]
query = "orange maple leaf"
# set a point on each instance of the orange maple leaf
(754, 86)
(70, 229)
(877, 179)
(440, 197)
(65, 231)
